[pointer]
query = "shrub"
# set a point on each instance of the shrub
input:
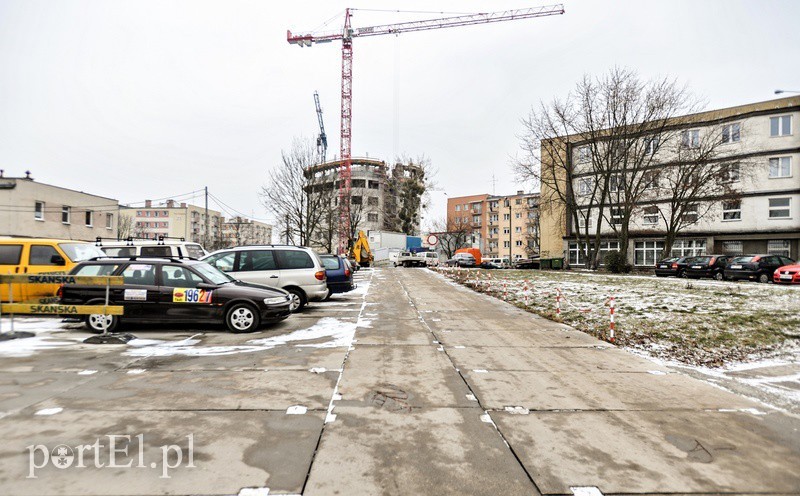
(616, 263)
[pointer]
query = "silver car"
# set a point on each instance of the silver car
(296, 269)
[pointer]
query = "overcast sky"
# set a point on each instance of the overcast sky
(152, 99)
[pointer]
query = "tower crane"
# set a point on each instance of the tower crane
(322, 139)
(346, 35)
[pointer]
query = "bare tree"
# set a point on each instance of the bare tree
(596, 149)
(453, 234)
(124, 226)
(296, 193)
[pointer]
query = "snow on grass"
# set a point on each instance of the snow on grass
(696, 322)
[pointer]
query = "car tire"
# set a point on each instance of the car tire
(298, 299)
(763, 278)
(681, 274)
(96, 322)
(242, 317)
(719, 276)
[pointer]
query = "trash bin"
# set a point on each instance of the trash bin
(557, 263)
(546, 263)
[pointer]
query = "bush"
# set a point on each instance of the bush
(616, 263)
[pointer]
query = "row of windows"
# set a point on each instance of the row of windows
(66, 215)
(647, 253)
(152, 224)
(156, 213)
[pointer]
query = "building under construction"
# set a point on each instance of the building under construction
(382, 197)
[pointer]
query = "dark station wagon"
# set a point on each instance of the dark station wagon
(169, 290)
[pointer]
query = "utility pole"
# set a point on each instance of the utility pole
(287, 230)
(205, 236)
(510, 233)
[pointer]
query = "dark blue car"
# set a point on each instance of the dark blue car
(339, 274)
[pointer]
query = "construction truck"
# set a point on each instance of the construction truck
(360, 251)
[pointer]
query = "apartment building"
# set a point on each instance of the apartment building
(34, 209)
(170, 219)
(499, 226)
(240, 231)
(759, 144)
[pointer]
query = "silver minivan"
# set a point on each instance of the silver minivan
(296, 269)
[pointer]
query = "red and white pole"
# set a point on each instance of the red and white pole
(525, 290)
(505, 290)
(558, 301)
(611, 305)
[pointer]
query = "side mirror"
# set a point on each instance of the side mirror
(58, 260)
(207, 286)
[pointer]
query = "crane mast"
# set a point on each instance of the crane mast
(322, 139)
(346, 35)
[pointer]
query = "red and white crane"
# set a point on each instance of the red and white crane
(347, 34)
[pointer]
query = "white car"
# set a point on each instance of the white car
(176, 248)
(296, 269)
(431, 258)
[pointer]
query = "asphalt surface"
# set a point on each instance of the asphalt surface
(410, 385)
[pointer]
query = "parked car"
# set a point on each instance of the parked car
(707, 266)
(339, 274)
(408, 259)
(527, 263)
(788, 274)
(431, 258)
(169, 290)
(162, 247)
(673, 266)
(461, 260)
(759, 268)
(37, 256)
(495, 263)
(296, 269)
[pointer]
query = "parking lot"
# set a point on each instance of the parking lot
(410, 384)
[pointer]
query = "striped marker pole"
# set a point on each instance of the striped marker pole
(611, 305)
(525, 290)
(558, 301)
(505, 290)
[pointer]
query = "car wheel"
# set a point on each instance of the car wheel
(298, 300)
(241, 317)
(681, 274)
(763, 278)
(719, 276)
(98, 323)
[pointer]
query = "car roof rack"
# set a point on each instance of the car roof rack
(162, 238)
(140, 257)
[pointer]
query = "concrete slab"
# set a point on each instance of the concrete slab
(652, 452)
(582, 360)
(441, 451)
(464, 319)
(231, 450)
(563, 390)
(394, 332)
(530, 338)
(199, 390)
(19, 390)
(410, 376)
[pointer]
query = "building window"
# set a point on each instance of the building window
(690, 138)
(732, 172)
(616, 215)
(88, 218)
(356, 200)
(688, 247)
(372, 217)
(647, 252)
(493, 218)
(584, 221)
(372, 201)
(585, 186)
(518, 201)
(651, 180)
(780, 167)
(506, 216)
(65, 211)
(731, 133)
(732, 247)
(155, 214)
(518, 229)
(109, 221)
(732, 210)
(458, 208)
(651, 145)
(651, 215)
(476, 208)
(616, 183)
(476, 219)
(506, 230)
(518, 215)
(38, 210)
(690, 214)
(577, 254)
(518, 243)
(778, 247)
(584, 153)
(780, 208)
(780, 126)
(506, 244)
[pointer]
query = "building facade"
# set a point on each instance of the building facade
(759, 145)
(239, 231)
(39, 210)
(170, 219)
(499, 226)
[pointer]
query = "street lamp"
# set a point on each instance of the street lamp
(778, 92)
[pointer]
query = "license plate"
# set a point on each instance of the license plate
(736, 266)
(663, 266)
(697, 266)
(786, 276)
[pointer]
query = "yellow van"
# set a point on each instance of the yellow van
(38, 256)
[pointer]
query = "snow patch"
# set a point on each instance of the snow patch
(585, 491)
(87, 372)
(49, 411)
(296, 410)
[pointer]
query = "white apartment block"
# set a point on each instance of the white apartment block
(170, 219)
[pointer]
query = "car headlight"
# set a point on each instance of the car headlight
(276, 300)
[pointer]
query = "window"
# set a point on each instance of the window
(156, 251)
(691, 138)
(493, 218)
(688, 247)
(96, 270)
(651, 180)
(10, 254)
(109, 221)
(647, 252)
(156, 213)
(585, 186)
(127, 251)
(179, 277)
(690, 214)
(518, 201)
(294, 259)
(506, 244)
(38, 210)
(732, 172)
(780, 208)
(577, 254)
(65, 211)
(356, 200)
(732, 247)
(518, 243)
(778, 247)
(374, 185)
(651, 215)
(651, 145)
(147, 213)
(780, 126)
(42, 255)
(584, 153)
(372, 217)
(518, 229)
(476, 208)
(476, 219)
(250, 260)
(732, 210)
(222, 261)
(616, 183)
(518, 215)
(584, 221)
(780, 167)
(506, 231)
(458, 208)
(88, 218)
(616, 215)
(372, 201)
(141, 274)
(506, 216)
(731, 133)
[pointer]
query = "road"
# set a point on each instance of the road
(411, 385)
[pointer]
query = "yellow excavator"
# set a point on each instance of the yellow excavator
(360, 251)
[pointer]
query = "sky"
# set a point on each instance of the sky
(151, 99)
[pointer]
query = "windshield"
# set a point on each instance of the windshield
(212, 273)
(195, 251)
(744, 259)
(701, 259)
(330, 263)
(78, 252)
